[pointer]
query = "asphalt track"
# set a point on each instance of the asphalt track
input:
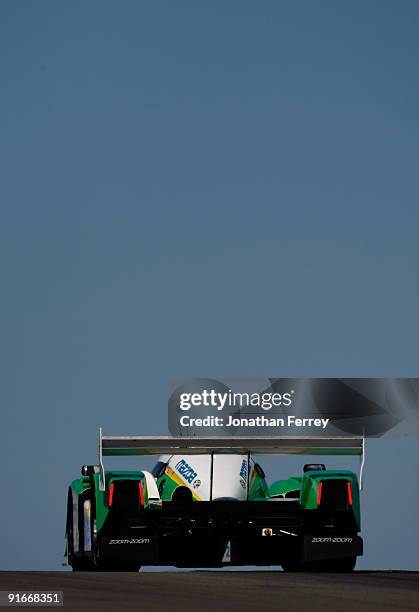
(215, 591)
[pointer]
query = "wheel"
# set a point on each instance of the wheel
(112, 565)
(82, 565)
(333, 566)
(108, 565)
(78, 564)
(117, 566)
(345, 565)
(292, 566)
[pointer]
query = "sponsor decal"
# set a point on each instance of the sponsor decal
(186, 471)
(196, 483)
(243, 473)
(131, 541)
(332, 540)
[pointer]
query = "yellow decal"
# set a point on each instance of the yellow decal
(174, 476)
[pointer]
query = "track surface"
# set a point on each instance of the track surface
(215, 591)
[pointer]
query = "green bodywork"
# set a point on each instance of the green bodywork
(282, 487)
(166, 487)
(306, 488)
(101, 497)
(80, 485)
(258, 488)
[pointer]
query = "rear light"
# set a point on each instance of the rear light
(141, 492)
(110, 498)
(349, 493)
(319, 493)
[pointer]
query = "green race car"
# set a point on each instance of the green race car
(207, 503)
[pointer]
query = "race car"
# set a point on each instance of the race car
(207, 503)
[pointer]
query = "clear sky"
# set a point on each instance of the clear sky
(213, 189)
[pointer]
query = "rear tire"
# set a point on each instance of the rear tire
(78, 564)
(117, 566)
(334, 566)
(292, 566)
(82, 565)
(343, 565)
(110, 565)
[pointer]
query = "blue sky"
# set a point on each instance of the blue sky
(224, 189)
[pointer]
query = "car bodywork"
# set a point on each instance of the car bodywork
(207, 503)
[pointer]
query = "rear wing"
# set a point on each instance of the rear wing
(193, 445)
